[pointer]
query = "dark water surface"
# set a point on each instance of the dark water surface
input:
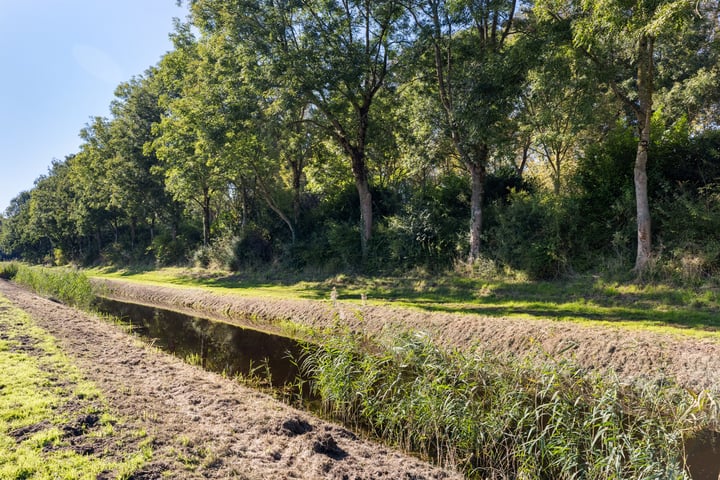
(216, 346)
(703, 456)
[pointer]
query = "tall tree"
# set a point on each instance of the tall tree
(336, 55)
(559, 106)
(621, 38)
(139, 191)
(478, 76)
(189, 136)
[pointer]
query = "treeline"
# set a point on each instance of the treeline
(384, 135)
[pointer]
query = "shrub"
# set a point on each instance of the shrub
(8, 270)
(528, 235)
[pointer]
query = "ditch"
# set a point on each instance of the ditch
(269, 360)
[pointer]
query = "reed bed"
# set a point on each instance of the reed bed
(492, 417)
(63, 284)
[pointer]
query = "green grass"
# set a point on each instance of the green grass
(42, 395)
(686, 310)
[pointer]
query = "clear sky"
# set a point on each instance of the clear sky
(60, 61)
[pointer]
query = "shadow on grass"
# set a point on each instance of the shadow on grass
(700, 320)
(580, 298)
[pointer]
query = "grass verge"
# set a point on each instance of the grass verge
(54, 424)
(66, 285)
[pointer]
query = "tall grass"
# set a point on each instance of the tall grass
(64, 284)
(8, 270)
(496, 417)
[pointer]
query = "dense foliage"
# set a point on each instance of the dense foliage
(384, 136)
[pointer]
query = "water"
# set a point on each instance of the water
(216, 346)
(222, 347)
(703, 455)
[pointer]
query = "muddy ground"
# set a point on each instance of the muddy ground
(633, 354)
(204, 425)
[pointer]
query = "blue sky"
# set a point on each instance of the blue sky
(60, 61)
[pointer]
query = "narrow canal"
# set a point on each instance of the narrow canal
(216, 346)
(273, 361)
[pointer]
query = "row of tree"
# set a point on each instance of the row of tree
(394, 133)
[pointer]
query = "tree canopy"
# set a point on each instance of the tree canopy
(386, 135)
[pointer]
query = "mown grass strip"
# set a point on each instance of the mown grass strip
(53, 421)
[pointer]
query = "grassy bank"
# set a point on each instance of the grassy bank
(54, 424)
(686, 310)
(494, 417)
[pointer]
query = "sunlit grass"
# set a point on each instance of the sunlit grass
(41, 391)
(694, 311)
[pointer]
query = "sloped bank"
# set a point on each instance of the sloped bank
(691, 362)
(204, 425)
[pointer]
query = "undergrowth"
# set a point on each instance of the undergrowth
(496, 417)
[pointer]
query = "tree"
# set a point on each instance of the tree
(477, 74)
(139, 189)
(559, 106)
(189, 135)
(334, 55)
(620, 38)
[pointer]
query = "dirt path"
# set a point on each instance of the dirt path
(633, 354)
(203, 425)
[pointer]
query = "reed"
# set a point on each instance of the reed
(63, 284)
(494, 417)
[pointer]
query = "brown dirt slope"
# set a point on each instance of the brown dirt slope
(203, 425)
(633, 354)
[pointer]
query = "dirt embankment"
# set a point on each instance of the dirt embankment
(633, 354)
(204, 425)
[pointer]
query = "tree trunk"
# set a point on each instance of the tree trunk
(644, 116)
(133, 228)
(477, 176)
(556, 178)
(366, 214)
(273, 206)
(206, 217)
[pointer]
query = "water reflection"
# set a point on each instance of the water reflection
(217, 346)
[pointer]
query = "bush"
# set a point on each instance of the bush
(252, 247)
(167, 250)
(528, 235)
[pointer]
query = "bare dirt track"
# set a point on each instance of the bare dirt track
(692, 362)
(203, 425)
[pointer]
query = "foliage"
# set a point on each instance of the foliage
(8, 270)
(530, 236)
(532, 418)
(269, 130)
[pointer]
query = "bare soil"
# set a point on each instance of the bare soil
(204, 425)
(632, 354)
